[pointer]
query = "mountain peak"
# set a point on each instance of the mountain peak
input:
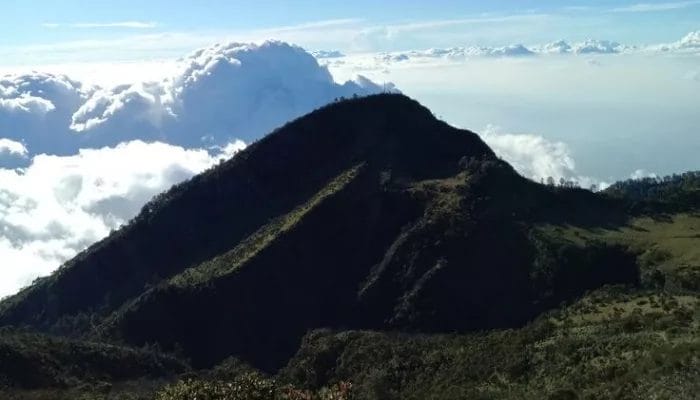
(366, 213)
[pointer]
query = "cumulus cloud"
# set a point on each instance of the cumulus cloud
(10, 147)
(690, 43)
(536, 157)
(558, 47)
(36, 109)
(26, 104)
(589, 46)
(222, 92)
(59, 205)
(12, 153)
(592, 46)
(532, 155)
(218, 93)
(514, 50)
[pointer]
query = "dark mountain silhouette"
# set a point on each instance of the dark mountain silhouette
(366, 214)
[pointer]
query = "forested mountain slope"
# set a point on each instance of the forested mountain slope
(366, 215)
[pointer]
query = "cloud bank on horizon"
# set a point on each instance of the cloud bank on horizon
(687, 45)
(220, 93)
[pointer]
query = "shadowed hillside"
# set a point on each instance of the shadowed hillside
(367, 214)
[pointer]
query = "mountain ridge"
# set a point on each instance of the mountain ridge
(274, 155)
(439, 230)
(367, 227)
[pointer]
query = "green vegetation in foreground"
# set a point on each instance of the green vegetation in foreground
(612, 344)
(249, 386)
(36, 366)
(615, 343)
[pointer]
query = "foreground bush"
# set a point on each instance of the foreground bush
(250, 386)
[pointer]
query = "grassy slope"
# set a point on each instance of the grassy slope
(350, 257)
(616, 342)
(274, 280)
(227, 263)
(622, 343)
(608, 345)
(668, 246)
(611, 344)
(33, 363)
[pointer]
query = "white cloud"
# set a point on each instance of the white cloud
(514, 50)
(641, 173)
(689, 44)
(532, 155)
(58, 205)
(221, 92)
(536, 157)
(97, 25)
(8, 146)
(327, 54)
(382, 61)
(460, 54)
(558, 47)
(592, 46)
(36, 108)
(456, 53)
(12, 153)
(37, 93)
(690, 41)
(27, 104)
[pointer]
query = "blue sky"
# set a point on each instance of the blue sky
(165, 23)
